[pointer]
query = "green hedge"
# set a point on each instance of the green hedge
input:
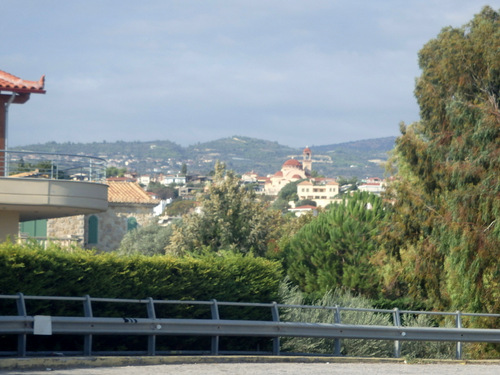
(56, 272)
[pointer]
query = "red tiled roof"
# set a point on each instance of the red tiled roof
(9, 82)
(307, 149)
(296, 176)
(292, 163)
(128, 192)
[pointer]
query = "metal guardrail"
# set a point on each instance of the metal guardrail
(88, 325)
(29, 164)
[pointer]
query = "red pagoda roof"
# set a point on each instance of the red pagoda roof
(9, 82)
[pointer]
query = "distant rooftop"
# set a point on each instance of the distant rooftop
(128, 192)
(9, 82)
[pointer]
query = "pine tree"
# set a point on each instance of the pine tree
(335, 249)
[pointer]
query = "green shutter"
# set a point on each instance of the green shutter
(93, 230)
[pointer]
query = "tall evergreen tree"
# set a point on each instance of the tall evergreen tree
(444, 244)
(334, 250)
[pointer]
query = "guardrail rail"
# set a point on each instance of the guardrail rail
(24, 325)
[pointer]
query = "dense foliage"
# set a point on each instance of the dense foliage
(354, 347)
(151, 239)
(230, 219)
(443, 245)
(350, 347)
(334, 249)
(55, 272)
(162, 191)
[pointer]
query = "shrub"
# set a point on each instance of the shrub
(350, 347)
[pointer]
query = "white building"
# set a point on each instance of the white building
(323, 195)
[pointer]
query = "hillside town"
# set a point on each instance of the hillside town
(134, 199)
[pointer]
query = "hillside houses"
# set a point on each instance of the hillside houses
(373, 185)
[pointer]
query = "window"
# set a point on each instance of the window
(93, 230)
(131, 223)
(34, 228)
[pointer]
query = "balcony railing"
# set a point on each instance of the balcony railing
(29, 164)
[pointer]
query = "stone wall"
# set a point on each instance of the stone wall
(112, 225)
(67, 227)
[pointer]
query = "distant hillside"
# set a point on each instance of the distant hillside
(242, 154)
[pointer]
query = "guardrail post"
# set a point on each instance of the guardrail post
(21, 338)
(151, 338)
(87, 339)
(276, 318)
(214, 309)
(397, 323)
(337, 320)
(459, 325)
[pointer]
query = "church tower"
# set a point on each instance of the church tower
(307, 159)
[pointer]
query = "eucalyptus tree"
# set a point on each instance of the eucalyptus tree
(444, 244)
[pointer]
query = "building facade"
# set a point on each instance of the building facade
(322, 194)
(291, 171)
(129, 206)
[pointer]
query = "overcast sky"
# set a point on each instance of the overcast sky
(307, 72)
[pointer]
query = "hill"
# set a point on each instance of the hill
(242, 154)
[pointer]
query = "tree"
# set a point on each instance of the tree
(180, 207)
(334, 249)
(286, 194)
(148, 240)
(444, 243)
(162, 191)
(231, 219)
(115, 172)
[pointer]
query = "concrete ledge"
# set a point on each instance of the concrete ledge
(114, 361)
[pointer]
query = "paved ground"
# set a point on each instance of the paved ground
(278, 369)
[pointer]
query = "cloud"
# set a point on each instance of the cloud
(293, 71)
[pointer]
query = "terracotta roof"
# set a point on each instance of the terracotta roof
(9, 82)
(292, 163)
(307, 149)
(278, 174)
(305, 183)
(332, 183)
(297, 176)
(128, 192)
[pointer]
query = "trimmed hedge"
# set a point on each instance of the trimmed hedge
(56, 272)
(76, 272)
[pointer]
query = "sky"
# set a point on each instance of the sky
(301, 73)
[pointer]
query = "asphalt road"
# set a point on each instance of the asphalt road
(278, 369)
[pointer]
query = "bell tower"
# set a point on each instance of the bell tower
(307, 159)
